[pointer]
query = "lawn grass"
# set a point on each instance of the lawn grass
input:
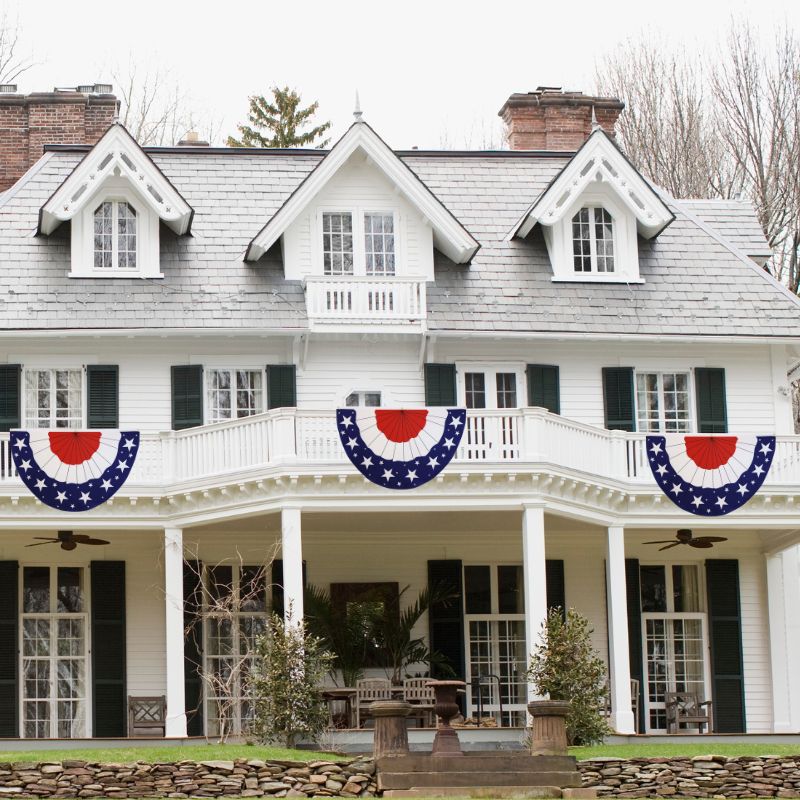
(195, 752)
(688, 749)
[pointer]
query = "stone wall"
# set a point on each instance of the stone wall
(701, 776)
(240, 778)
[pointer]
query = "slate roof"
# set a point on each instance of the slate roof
(695, 283)
(736, 220)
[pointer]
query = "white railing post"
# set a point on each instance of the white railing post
(618, 455)
(168, 467)
(532, 435)
(284, 439)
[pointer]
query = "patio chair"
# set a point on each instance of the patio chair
(686, 708)
(147, 716)
(367, 691)
(416, 692)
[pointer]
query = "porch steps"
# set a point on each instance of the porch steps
(481, 772)
(500, 792)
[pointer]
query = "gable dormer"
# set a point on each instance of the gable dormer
(363, 213)
(592, 213)
(115, 200)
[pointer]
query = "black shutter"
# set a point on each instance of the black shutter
(281, 386)
(446, 616)
(109, 700)
(543, 387)
(554, 570)
(9, 397)
(633, 594)
(712, 409)
(440, 385)
(102, 385)
(9, 649)
(187, 396)
(725, 624)
(193, 646)
(277, 585)
(618, 398)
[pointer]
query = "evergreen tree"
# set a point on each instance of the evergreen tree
(282, 119)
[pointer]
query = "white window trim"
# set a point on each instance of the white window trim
(363, 392)
(208, 368)
(58, 368)
(558, 239)
(147, 236)
(462, 367)
(359, 246)
(689, 372)
(85, 614)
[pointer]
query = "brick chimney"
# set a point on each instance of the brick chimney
(63, 116)
(552, 119)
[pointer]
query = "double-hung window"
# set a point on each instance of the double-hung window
(53, 398)
(593, 240)
(367, 399)
(234, 393)
(663, 402)
(115, 223)
(359, 243)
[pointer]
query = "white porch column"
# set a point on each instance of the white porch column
(292, 554)
(535, 577)
(783, 597)
(173, 587)
(618, 646)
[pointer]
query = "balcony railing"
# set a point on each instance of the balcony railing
(350, 300)
(503, 439)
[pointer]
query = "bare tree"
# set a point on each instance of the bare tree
(155, 109)
(719, 126)
(12, 62)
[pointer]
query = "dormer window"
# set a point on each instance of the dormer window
(115, 236)
(593, 240)
(359, 242)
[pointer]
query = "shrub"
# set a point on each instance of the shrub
(565, 666)
(286, 684)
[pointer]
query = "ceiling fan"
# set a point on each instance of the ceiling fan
(68, 540)
(684, 536)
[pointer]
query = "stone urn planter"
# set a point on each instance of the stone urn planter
(549, 729)
(446, 742)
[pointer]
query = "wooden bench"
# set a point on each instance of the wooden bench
(686, 708)
(147, 716)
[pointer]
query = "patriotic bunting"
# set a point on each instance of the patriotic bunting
(711, 475)
(74, 470)
(400, 448)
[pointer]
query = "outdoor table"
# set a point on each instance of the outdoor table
(347, 694)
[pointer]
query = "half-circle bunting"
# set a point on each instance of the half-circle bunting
(400, 448)
(73, 470)
(710, 475)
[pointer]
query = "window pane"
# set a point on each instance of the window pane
(70, 590)
(220, 583)
(36, 590)
(581, 242)
(506, 390)
(654, 588)
(477, 590)
(126, 236)
(604, 240)
(686, 588)
(379, 244)
(475, 385)
(372, 399)
(352, 400)
(337, 243)
(510, 589)
(248, 393)
(103, 236)
(253, 589)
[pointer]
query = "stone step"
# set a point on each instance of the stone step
(388, 781)
(500, 792)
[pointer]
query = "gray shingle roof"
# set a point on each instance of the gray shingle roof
(694, 284)
(736, 220)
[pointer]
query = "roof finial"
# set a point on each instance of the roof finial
(357, 112)
(595, 123)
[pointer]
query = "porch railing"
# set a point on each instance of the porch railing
(498, 439)
(350, 299)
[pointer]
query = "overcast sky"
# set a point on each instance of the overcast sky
(429, 73)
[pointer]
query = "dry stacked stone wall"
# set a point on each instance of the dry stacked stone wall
(701, 776)
(239, 778)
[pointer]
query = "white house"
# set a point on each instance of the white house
(224, 302)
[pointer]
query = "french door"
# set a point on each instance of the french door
(494, 619)
(491, 388)
(53, 652)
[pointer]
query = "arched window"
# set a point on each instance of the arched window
(593, 240)
(115, 236)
